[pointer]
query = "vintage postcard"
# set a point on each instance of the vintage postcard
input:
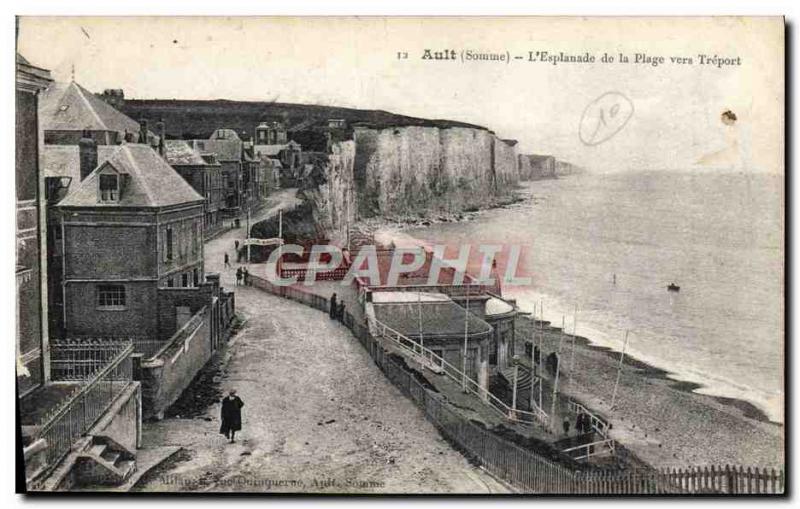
(376, 255)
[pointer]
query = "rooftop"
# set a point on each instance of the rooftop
(438, 318)
(70, 107)
(151, 182)
(181, 153)
(225, 150)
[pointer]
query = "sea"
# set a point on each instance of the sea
(600, 250)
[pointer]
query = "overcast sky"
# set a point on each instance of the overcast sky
(675, 110)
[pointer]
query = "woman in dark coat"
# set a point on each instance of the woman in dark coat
(231, 415)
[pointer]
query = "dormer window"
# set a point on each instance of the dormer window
(109, 187)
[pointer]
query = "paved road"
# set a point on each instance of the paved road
(319, 416)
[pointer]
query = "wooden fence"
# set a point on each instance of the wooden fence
(529, 471)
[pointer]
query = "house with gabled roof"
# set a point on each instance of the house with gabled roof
(129, 228)
(67, 110)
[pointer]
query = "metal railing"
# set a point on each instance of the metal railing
(601, 426)
(437, 363)
(473, 290)
(104, 370)
(596, 448)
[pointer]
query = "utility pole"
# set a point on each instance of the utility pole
(466, 336)
(619, 370)
(419, 309)
(247, 237)
(572, 354)
(513, 413)
(555, 382)
(534, 371)
(541, 350)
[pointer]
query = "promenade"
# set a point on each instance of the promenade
(319, 416)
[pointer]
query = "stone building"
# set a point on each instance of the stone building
(203, 174)
(31, 228)
(439, 324)
(436, 312)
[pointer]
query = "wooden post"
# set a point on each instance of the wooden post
(619, 370)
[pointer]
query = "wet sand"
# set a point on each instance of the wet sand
(663, 421)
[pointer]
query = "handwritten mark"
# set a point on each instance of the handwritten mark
(604, 117)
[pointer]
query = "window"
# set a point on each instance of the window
(195, 229)
(111, 296)
(168, 244)
(169, 283)
(184, 280)
(109, 187)
(196, 277)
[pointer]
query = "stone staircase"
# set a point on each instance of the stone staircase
(104, 463)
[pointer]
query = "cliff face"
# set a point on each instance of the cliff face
(413, 170)
(534, 167)
(333, 199)
(405, 172)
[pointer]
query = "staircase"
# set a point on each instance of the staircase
(104, 462)
(523, 376)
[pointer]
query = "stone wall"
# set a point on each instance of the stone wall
(165, 377)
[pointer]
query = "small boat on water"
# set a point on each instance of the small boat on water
(672, 287)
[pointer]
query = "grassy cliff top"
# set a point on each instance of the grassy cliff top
(199, 118)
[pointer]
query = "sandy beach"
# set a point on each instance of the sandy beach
(661, 420)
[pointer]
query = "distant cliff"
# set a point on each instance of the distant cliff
(402, 171)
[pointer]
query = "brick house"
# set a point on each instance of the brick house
(129, 228)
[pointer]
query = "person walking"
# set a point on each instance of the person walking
(231, 415)
(566, 425)
(245, 273)
(227, 261)
(238, 276)
(333, 308)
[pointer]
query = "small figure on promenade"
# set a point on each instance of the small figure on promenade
(244, 275)
(565, 425)
(236, 245)
(231, 415)
(227, 261)
(238, 276)
(340, 311)
(333, 308)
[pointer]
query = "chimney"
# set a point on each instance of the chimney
(143, 131)
(161, 134)
(87, 149)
